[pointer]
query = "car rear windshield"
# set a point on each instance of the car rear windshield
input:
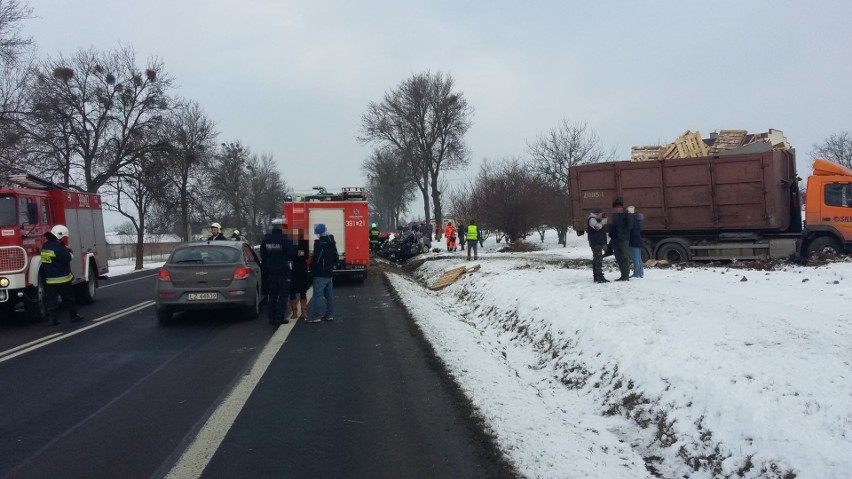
(206, 254)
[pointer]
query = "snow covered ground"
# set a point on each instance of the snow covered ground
(690, 372)
(121, 266)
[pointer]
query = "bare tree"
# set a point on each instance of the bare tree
(263, 194)
(424, 119)
(554, 153)
(836, 148)
(12, 44)
(132, 193)
(507, 198)
(188, 136)
(390, 185)
(94, 111)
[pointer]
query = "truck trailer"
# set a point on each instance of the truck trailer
(30, 209)
(345, 216)
(723, 207)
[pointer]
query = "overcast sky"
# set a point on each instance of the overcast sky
(292, 78)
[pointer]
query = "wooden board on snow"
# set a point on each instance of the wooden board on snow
(451, 276)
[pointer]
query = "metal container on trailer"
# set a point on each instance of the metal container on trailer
(713, 194)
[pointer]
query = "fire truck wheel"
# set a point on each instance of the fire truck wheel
(36, 311)
(86, 291)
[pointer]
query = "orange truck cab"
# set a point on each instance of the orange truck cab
(30, 209)
(345, 216)
(828, 209)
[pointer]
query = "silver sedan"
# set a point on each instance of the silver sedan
(210, 275)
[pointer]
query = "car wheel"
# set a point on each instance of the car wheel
(164, 315)
(253, 312)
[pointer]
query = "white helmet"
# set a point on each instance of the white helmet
(216, 225)
(60, 231)
(236, 232)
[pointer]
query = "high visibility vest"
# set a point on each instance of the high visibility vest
(472, 234)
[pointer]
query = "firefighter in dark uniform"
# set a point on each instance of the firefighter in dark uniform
(374, 237)
(56, 272)
(276, 253)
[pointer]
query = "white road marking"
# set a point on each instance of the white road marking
(111, 284)
(38, 343)
(197, 456)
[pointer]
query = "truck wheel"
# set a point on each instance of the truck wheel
(824, 246)
(86, 291)
(673, 253)
(36, 310)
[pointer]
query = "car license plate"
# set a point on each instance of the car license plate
(201, 296)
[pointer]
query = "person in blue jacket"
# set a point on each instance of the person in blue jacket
(323, 260)
(636, 243)
(55, 270)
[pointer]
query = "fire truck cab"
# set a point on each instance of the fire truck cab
(28, 210)
(345, 216)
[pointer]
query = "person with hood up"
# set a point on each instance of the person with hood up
(596, 230)
(55, 270)
(323, 261)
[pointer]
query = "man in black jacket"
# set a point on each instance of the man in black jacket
(56, 271)
(323, 260)
(620, 225)
(595, 228)
(276, 253)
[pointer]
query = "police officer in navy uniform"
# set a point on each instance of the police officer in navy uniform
(276, 253)
(56, 271)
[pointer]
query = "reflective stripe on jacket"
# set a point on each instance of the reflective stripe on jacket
(56, 263)
(472, 234)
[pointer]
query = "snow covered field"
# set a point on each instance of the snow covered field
(695, 372)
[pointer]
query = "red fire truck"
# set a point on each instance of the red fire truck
(29, 209)
(345, 216)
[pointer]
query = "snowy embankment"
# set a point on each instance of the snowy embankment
(693, 372)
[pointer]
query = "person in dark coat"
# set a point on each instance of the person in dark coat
(300, 279)
(276, 252)
(462, 235)
(323, 261)
(55, 270)
(620, 224)
(596, 229)
(216, 233)
(636, 243)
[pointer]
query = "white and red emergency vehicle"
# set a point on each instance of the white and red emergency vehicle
(29, 209)
(344, 215)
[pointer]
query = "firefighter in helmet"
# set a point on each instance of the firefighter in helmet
(55, 270)
(374, 237)
(216, 233)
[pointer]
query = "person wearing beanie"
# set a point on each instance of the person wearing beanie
(619, 232)
(323, 262)
(596, 229)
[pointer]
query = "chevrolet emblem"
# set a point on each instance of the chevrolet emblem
(201, 273)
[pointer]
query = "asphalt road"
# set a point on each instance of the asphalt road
(121, 396)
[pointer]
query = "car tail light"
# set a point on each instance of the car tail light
(242, 272)
(163, 275)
